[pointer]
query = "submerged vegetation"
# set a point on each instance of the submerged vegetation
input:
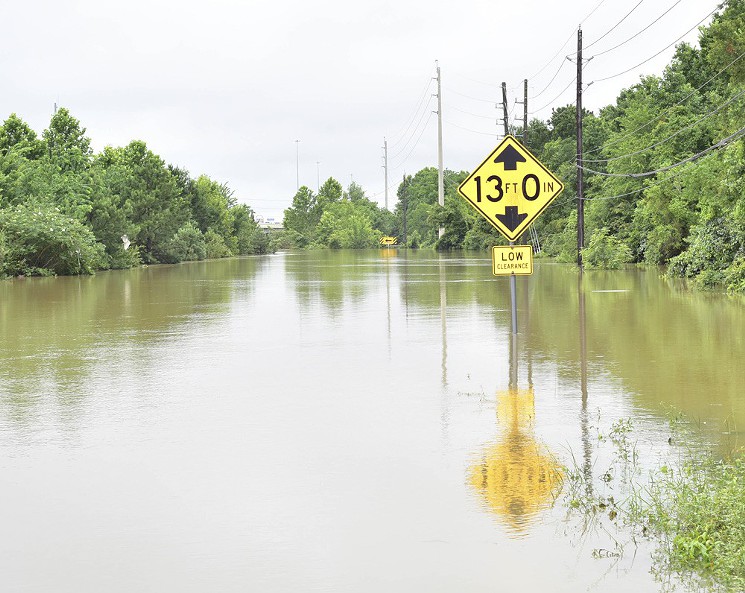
(66, 210)
(692, 505)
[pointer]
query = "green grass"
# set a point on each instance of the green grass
(694, 509)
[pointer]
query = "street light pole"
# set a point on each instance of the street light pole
(297, 163)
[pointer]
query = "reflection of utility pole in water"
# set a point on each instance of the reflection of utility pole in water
(443, 320)
(388, 296)
(526, 308)
(445, 414)
(584, 419)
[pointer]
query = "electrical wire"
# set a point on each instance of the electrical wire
(571, 82)
(589, 45)
(680, 131)
(448, 89)
(659, 115)
(571, 36)
(645, 188)
(401, 162)
(402, 132)
(469, 129)
(547, 64)
(491, 117)
(550, 81)
(658, 53)
(638, 32)
(721, 144)
(414, 131)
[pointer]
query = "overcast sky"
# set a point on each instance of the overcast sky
(226, 87)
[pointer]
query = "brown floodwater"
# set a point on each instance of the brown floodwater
(342, 421)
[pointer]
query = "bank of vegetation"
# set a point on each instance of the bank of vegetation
(664, 176)
(67, 210)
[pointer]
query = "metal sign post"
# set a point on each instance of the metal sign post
(510, 188)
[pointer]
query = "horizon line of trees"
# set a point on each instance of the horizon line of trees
(66, 210)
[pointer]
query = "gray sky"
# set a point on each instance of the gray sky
(226, 87)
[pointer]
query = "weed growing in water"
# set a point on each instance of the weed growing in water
(692, 505)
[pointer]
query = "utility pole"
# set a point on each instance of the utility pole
(525, 113)
(524, 103)
(318, 176)
(440, 172)
(513, 281)
(385, 168)
(504, 109)
(297, 163)
(405, 204)
(580, 171)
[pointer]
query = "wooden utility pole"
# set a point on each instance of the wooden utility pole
(513, 280)
(385, 168)
(580, 171)
(505, 119)
(440, 172)
(405, 204)
(525, 113)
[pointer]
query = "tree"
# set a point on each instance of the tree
(303, 216)
(66, 143)
(16, 135)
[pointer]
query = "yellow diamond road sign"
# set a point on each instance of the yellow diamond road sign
(511, 188)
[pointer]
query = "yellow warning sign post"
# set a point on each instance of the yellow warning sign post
(512, 260)
(510, 188)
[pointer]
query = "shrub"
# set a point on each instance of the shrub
(606, 251)
(215, 244)
(188, 244)
(40, 240)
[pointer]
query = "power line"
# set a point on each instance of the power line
(470, 130)
(571, 82)
(414, 131)
(404, 129)
(424, 127)
(638, 32)
(589, 45)
(646, 187)
(550, 81)
(448, 89)
(659, 115)
(591, 13)
(571, 36)
(658, 53)
(721, 144)
(491, 117)
(680, 131)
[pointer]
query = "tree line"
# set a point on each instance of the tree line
(689, 217)
(66, 210)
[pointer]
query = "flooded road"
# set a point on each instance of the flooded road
(340, 421)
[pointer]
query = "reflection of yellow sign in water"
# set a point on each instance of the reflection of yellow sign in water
(515, 477)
